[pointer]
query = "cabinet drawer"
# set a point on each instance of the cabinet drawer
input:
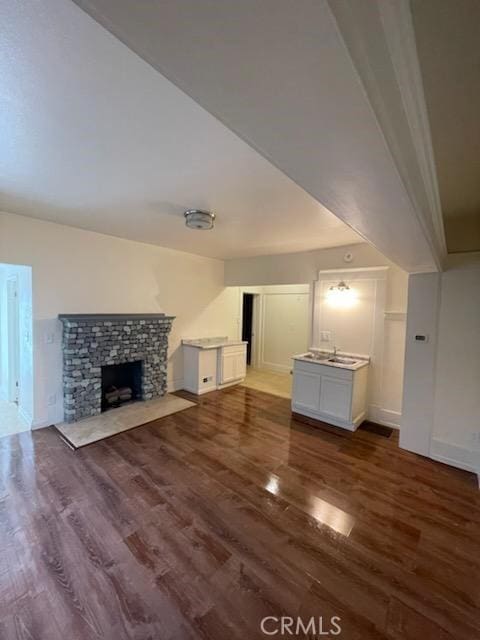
(323, 370)
(234, 349)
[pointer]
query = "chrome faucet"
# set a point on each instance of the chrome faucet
(334, 354)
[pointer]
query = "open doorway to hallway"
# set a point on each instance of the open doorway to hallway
(16, 352)
(276, 326)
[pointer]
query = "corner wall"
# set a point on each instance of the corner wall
(76, 271)
(442, 377)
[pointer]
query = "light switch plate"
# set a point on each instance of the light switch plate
(325, 336)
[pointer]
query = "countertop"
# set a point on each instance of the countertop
(361, 361)
(212, 343)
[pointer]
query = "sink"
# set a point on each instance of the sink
(339, 360)
(316, 356)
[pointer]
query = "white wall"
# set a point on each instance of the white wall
(420, 362)
(442, 377)
(304, 267)
(292, 268)
(77, 271)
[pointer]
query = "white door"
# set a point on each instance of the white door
(306, 390)
(13, 340)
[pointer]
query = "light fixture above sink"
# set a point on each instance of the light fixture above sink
(341, 296)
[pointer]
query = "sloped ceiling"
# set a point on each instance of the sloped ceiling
(93, 137)
(280, 74)
(448, 45)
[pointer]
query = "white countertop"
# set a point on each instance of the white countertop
(212, 343)
(360, 360)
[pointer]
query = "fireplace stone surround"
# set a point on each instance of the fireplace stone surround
(91, 341)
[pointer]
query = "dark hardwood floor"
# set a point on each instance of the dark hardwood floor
(203, 523)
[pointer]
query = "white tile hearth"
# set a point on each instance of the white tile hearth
(109, 423)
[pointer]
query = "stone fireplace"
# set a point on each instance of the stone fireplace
(105, 356)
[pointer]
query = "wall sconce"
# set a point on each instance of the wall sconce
(341, 296)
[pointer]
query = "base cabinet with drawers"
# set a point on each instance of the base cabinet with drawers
(331, 394)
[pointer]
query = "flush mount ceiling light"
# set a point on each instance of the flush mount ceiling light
(340, 296)
(197, 219)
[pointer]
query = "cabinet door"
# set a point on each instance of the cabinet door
(240, 364)
(335, 397)
(229, 361)
(306, 390)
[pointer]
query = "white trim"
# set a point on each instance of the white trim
(455, 455)
(13, 338)
(174, 385)
(279, 368)
(24, 415)
(41, 424)
(400, 38)
(396, 316)
(353, 270)
(386, 417)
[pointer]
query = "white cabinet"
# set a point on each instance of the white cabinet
(208, 368)
(199, 369)
(232, 364)
(334, 395)
(306, 390)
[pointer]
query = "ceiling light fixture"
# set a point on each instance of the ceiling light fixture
(197, 219)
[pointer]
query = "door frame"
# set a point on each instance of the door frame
(13, 339)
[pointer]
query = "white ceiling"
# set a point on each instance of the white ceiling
(94, 137)
(310, 85)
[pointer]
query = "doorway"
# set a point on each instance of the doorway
(276, 326)
(16, 350)
(247, 323)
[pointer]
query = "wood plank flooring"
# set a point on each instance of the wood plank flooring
(202, 523)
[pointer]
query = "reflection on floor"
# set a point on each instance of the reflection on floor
(10, 420)
(278, 384)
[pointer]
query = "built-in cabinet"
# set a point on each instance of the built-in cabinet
(331, 394)
(206, 368)
(231, 364)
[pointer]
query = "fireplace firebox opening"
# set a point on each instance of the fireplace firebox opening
(121, 383)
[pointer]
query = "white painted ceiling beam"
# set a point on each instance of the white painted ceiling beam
(295, 81)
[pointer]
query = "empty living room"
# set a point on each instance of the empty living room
(239, 319)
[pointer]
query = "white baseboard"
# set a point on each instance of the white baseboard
(455, 455)
(277, 368)
(40, 424)
(175, 385)
(383, 416)
(25, 415)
